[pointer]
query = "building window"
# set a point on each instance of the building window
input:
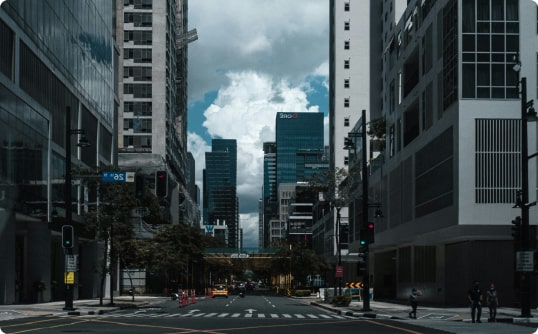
(137, 141)
(346, 25)
(138, 90)
(346, 45)
(138, 37)
(139, 19)
(346, 102)
(346, 83)
(346, 6)
(138, 55)
(490, 38)
(137, 73)
(346, 121)
(346, 64)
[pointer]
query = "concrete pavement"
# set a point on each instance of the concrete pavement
(449, 319)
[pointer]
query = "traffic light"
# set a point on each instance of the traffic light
(68, 236)
(161, 183)
(140, 186)
(516, 230)
(367, 234)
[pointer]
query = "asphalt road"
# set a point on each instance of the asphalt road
(254, 313)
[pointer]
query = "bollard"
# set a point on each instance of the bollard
(193, 300)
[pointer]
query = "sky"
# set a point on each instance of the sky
(252, 59)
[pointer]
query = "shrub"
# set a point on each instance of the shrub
(341, 300)
(302, 293)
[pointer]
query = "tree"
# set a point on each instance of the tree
(110, 221)
(298, 260)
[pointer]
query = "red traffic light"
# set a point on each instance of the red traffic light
(370, 226)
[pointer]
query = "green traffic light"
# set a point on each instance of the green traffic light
(363, 242)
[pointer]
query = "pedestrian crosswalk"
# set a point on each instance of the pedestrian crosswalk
(254, 315)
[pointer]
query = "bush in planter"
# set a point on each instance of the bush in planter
(342, 300)
(302, 293)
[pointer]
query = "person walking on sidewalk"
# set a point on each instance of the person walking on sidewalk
(413, 301)
(493, 302)
(475, 299)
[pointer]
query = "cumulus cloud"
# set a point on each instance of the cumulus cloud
(245, 110)
(260, 58)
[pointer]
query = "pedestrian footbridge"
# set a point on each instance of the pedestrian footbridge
(254, 258)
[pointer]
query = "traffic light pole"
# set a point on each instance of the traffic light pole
(67, 198)
(524, 275)
(366, 284)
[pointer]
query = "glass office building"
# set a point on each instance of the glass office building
(54, 55)
(295, 134)
(220, 205)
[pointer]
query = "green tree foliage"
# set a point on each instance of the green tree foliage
(298, 260)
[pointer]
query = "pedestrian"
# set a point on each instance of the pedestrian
(493, 302)
(475, 299)
(413, 301)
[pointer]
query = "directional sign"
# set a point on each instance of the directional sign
(354, 285)
(114, 176)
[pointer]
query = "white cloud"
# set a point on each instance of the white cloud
(285, 38)
(259, 56)
(245, 110)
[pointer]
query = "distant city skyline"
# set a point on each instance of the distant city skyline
(272, 58)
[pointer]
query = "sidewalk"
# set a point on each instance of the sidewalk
(80, 307)
(450, 319)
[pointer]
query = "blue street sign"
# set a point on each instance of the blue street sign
(114, 176)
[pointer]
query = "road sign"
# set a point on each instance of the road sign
(354, 285)
(339, 271)
(525, 261)
(69, 277)
(71, 262)
(130, 177)
(114, 176)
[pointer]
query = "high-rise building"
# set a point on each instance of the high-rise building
(55, 56)
(295, 132)
(153, 37)
(452, 164)
(269, 209)
(299, 154)
(220, 204)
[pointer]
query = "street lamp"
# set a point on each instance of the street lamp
(527, 114)
(82, 142)
(349, 144)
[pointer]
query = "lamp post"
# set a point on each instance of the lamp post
(527, 114)
(522, 197)
(83, 142)
(339, 271)
(364, 205)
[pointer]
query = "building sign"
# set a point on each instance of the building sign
(209, 228)
(289, 115)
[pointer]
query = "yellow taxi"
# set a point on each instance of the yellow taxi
(220, 290)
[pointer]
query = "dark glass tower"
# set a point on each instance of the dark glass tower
(220, 188)
(296, 134)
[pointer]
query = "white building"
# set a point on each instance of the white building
(452, 163)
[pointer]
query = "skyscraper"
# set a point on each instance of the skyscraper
(295, 133)
(220, 205)
(153, 38)
(54, 55)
